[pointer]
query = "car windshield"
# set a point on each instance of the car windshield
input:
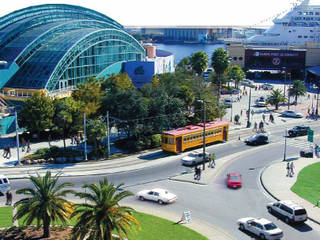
(270, 226)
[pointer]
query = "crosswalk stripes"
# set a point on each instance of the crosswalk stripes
(293, 142)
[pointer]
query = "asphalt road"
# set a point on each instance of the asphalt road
(214, 203)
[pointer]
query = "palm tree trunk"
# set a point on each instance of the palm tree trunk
(46, 227)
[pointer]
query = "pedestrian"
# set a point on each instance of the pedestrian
(28, 146)
(291, 169)
(72, 140)
(308, 111)
(9, 198)
(263, 117)
(255, 127)
(272, 118)
(23, 142)
(241, 112)
(261, 126)
(5, 152)
(199, 173)
(308, 96)
(9, 152)
(212, 163)
(252, 112)
(195, 173)
(288, 169)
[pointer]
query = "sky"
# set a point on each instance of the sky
(175, 12)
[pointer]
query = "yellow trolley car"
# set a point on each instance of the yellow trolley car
(178, 140)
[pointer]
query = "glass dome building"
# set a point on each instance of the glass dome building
(53, 47)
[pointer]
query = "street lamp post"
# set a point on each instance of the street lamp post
(285, 146)
(231, 110)
(85, 137)
(17, 136)
(204, 133)
(108, 132)
(248, 122)
(285, 79)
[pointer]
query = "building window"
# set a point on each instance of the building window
(240, 58)
(235, 58)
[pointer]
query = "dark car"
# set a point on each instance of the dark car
(298, 131)
(258, 139)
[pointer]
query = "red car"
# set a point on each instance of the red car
(234, 180)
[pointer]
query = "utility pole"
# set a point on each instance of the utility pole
(204, 135)
(108, 132)
(248, 122)
(285, 146)
(85, 137)
(17, 135)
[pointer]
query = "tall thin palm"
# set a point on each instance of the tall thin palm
(101, 212)
(45, 202)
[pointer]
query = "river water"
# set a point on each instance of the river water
(184, 50)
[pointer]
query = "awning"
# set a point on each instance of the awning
(314, 70)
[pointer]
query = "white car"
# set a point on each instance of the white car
(261, 227)
(158, 195)
(290, 211)
(4, 184)
(194, 158)
(261, 102)
(290, 113)
(267, 86)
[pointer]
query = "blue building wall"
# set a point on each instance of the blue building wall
(7, 125)
(7, 73)
(140, 72)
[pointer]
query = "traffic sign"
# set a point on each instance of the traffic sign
(310, 135)
(186, 216)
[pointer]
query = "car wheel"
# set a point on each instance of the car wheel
(241, 226)
(269, 209)
(160, 202)
(262, 236)
(141, 198)
(287, 220)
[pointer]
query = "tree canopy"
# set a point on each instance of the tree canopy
(199, 62)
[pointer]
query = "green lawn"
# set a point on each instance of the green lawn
(6, 217)
(152, 227)
(308, 183)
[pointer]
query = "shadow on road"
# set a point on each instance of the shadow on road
(154, 155)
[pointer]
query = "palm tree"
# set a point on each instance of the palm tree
(297, 89)
(101, 212)
(45, 202)
(276, 97)
(199, 62)
(220, 63)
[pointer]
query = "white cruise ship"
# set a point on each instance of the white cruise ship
(296, 27)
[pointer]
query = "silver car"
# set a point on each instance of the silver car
(194, 158)
(292, 114)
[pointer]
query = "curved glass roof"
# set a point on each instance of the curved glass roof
(44, 40)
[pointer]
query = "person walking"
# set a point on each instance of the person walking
(28, 146)
(263, 117)
(288, 169)
(9, 198)
(261, 127)
(5, 152)
(291, 169)
(212, 162)
(255, 127)
(9, 152)
(199, 173)
(195, 173)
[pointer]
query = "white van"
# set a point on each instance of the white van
(4, 184)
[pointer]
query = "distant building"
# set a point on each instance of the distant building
(157, 62)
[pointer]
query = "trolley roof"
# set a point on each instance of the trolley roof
(195, 128)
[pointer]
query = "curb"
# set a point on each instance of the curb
(273, 196)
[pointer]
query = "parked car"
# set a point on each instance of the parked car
(298, 131)
(194, 158)
(258, 139)
(234, 180)
(157, 195)
(4, 185)
(290, 211)
(260, 227)
(307, 153)
(228, 102)
(261, 102)
(248, 83)
(267, 86)
(290, 113)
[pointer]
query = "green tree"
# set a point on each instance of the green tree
(276, 98)
(37, 113)
(68, 117)
(199, 62)
(220, 63)
(297, 89)
(45, 203)
(101, 213)
(97, 131)
(236, 73)
(90, 94)
(117, 82)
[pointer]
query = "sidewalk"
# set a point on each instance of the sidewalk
(280, 189)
